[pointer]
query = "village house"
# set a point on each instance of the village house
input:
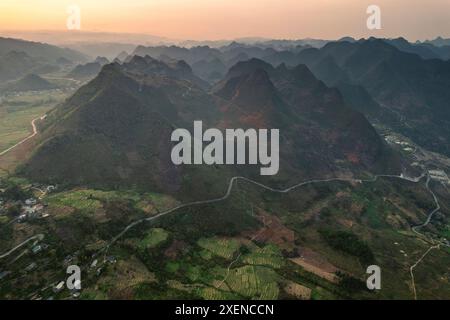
(36, 249)
(30, 202)
(439, 175)
(58, 287)
(31, 267)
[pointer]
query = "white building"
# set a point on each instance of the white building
(30, 202)
(59, 287)
(438, 175)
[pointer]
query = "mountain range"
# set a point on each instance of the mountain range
(392, 81)
(19, 58)
(400, 83)
(115, 131)
(43, 51)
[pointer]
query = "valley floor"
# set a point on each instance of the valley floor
(313, 240)
(277, 255)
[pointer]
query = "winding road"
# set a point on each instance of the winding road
(230, 189)
(411, 269)
(35, 132)
(237, 178)
(415, 230)
(431, 214)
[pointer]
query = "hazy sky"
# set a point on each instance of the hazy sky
(227, 19)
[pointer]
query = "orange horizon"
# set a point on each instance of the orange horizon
(228, 19)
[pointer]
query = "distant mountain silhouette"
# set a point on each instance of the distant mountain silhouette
(30, 82)
(101, 60)
(85, 71)
(401, 82)
(39, 50)
(16, 64)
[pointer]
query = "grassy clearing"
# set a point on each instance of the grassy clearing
(172, 266)
(16, 125)
(89, 200)
(224, 248)
(153, 238)
(373, 208)
(205, 254)
(80, 200)
(155, 202)
(193, 273)
(445, 232)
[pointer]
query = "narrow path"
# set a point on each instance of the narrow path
(240, 254)
(33, 124)
(60, 78)
(38, 236)
(411, 269)
(415, 230)
(431, 214)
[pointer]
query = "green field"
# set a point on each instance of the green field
(254, 282)
(153, 238)
(269, 256)
(89, 200)
(82, 200)
(16, 114)
(224, 248)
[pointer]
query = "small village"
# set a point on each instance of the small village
(418, 157)
(23, 210)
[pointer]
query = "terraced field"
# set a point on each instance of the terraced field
(224, 248)
(269, 256)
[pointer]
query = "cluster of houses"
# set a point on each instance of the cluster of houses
(31, 208)
(406, 146)
(439, 175)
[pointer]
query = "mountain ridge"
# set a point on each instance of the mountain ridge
(127, 113)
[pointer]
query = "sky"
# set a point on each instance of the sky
(230, 19)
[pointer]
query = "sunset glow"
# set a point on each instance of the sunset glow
(222, 19)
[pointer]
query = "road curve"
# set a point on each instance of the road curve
(411, 269)
(234, 179)
(230, 188)
(415, 230)
(431, 214)
(35, 132)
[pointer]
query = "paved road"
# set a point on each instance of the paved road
(431, 214)
(38, 237)
(237, 178)
(33, 124)
(69, 79)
